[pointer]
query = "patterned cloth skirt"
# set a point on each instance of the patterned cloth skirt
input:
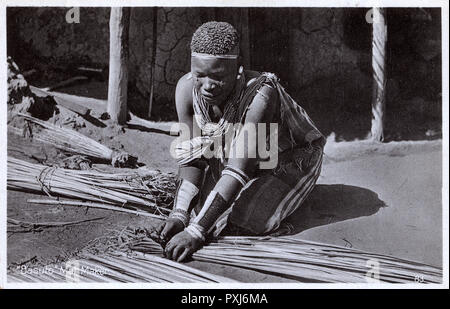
(268, 198)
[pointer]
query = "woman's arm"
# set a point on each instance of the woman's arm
(260, 111)
(183, 101)
(239, 170)
(191, 176)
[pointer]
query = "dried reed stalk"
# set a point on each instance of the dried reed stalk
(94, 205)
(17, 226)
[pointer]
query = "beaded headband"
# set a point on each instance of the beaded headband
(210, 56)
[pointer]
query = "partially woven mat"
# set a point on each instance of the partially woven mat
(133, 257)
(305, 261)
(115, 267)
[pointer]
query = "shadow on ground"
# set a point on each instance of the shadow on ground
(328, 204)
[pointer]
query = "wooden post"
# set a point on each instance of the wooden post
(379, 38)
(153, 60)
(119, 24)
(245, 38)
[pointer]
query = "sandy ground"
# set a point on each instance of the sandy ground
(384, 204)
(385, 201)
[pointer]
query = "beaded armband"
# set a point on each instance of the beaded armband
(196, 231)
(185, 194)
(214, 206)
(181, 215)
(237, 174)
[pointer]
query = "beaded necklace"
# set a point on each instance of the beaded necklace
(202, 111)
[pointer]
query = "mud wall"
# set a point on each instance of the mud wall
(45, 34)
(312, 49)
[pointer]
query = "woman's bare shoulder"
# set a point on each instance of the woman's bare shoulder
(183, 93)
(185, 84)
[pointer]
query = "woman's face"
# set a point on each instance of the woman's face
(214, 78)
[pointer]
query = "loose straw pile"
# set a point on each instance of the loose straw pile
(69, 140)
(151, 191)
(116, 267)
(305, 261)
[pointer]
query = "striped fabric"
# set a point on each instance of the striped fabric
(295, 197)
(267, 200)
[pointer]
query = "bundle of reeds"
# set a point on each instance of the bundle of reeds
(306, 261)
(115, 267)
(151, 191)
(68, 140)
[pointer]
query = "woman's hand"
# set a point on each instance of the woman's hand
(181, 246)
(166, 229)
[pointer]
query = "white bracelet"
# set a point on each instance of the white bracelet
(195, 231)
(181, 215)
(235, 176)
(186, 192)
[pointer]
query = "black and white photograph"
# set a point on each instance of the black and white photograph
(275, 145)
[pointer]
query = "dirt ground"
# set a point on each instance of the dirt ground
(387, 200)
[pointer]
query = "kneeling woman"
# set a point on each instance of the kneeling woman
(227, 186)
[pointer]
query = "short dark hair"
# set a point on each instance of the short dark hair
(215, 38)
